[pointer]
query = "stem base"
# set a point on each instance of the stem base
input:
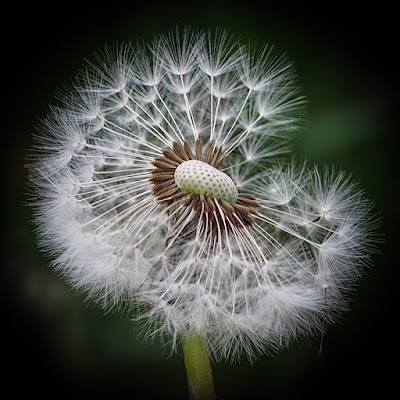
(198, 367)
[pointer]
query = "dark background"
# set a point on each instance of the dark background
(55, 344)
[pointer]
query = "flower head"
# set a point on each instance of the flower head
(155, 188)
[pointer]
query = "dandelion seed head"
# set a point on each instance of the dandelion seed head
(156, 185)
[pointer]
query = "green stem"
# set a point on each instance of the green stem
(198, 367)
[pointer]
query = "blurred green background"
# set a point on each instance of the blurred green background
(55, 343)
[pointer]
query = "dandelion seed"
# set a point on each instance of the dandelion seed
(154, 187)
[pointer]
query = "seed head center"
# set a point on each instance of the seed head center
(198, 177)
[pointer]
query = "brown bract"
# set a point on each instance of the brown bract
(218, 212)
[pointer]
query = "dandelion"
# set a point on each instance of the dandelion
(158, 187)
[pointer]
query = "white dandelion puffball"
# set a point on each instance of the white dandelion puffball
(156, 188)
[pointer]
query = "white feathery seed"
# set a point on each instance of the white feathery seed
(155, 186)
